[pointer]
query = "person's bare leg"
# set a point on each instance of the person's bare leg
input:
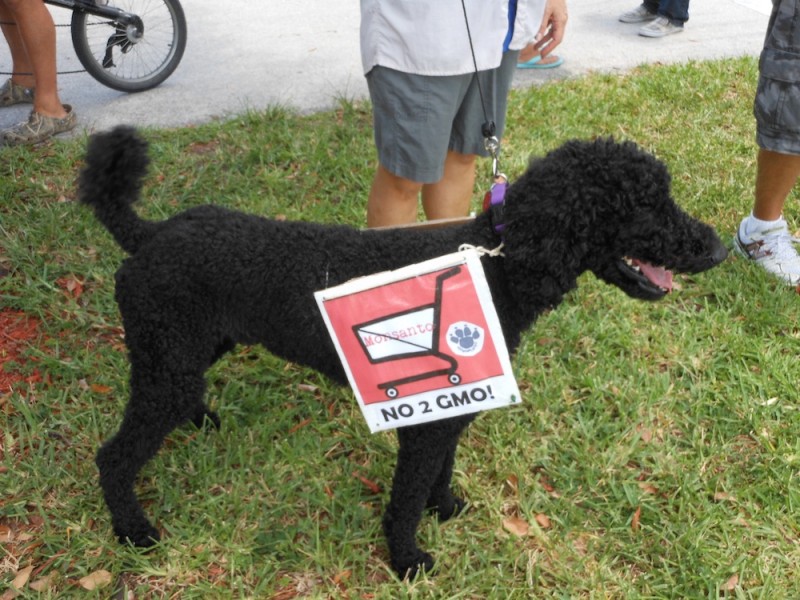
(38, 34)
(392, 200)
(777, 175)
(22, 70)
(451, 196)
(764, 236)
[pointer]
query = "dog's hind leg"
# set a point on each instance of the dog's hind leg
(159, 403)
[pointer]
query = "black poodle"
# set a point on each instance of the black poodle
(209, 278)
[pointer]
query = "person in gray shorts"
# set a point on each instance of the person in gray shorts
(764, 235)
(419, 119)
(423, 64)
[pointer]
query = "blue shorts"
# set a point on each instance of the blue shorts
(777, 102)
(418, 118)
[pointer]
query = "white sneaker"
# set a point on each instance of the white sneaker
(773, 249)
(640, 14)
(659, 27)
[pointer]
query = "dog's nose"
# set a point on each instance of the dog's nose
(719, 254)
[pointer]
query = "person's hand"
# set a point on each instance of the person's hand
(554, 22)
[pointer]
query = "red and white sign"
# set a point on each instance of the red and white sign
(421, 343)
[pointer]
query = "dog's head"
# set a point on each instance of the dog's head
(606, 207)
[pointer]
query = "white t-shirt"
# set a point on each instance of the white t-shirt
(429, 37)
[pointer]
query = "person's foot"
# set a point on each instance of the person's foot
(12, 93)
(39, 128)
(659, 27)
(640, 14)
(773, 249)
(551, 61)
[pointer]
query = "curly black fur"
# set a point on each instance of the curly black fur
(209, 278)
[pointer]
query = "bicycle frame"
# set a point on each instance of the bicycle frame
(91, 7)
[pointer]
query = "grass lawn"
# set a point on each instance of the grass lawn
(656, 453)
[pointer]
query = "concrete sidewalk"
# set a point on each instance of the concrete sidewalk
(250, 55)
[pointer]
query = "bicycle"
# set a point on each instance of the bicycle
(129, 49)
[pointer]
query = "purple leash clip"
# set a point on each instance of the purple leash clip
(494, 201)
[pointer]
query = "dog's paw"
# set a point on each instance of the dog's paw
(410, 566)
(455, 509)
(144, 537)
(447, 510)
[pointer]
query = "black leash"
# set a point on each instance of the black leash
(488, 127)
(493, 201)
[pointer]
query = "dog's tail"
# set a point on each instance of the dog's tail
(116, 163)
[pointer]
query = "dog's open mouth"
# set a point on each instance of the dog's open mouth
(647, 275)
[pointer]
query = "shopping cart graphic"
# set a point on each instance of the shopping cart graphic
(407, 334)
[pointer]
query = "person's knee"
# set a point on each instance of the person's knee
(396, 186)
(459, 165)
(457, 159)
(392, 200)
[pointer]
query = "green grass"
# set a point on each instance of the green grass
(660, 440)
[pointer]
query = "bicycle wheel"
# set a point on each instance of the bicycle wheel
(131, 57)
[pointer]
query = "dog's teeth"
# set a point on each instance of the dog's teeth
(629, 262)
(632, 265)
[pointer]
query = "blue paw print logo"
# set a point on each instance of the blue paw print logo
(465, 339)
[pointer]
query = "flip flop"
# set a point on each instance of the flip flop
(536, 63)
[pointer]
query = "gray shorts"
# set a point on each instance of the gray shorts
(777, 102)
(418, 118)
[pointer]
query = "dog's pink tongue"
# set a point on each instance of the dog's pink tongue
(658, 275)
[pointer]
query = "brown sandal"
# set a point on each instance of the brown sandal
(39, 128)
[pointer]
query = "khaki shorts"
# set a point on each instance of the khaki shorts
(418, 118)
(777, 102)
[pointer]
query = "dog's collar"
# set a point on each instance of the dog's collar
(494, 203)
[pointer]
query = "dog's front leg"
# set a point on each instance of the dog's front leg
(424, 461)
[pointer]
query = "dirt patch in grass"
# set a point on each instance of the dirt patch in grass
(17, 332)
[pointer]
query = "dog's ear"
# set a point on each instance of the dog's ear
(541, 265)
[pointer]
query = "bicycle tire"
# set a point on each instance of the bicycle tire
(135, 60)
